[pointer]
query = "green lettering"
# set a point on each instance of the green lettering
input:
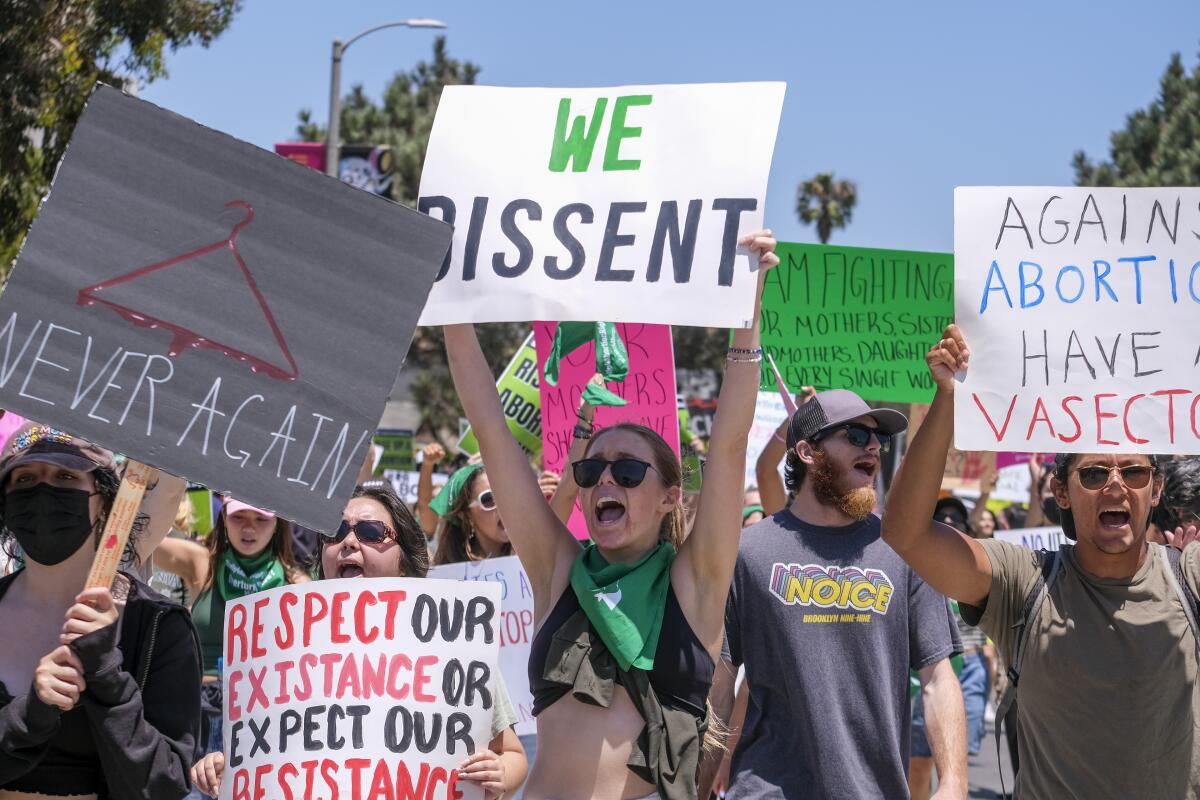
(618, 130)
(575, 147)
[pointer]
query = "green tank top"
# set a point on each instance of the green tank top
(208, 615)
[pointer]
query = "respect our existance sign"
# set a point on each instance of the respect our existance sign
(1080, 308)
(213, 309)
(356, 688)
(621, 204)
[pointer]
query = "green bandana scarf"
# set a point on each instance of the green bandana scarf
(625, 602)
(612, 360)
(440, 505)
(238, 576)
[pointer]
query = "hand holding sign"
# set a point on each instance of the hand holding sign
(93, 609)
(948, 357)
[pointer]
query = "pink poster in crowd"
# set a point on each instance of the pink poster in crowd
(9, 422)
(649, 391)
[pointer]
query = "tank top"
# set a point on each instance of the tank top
(208, 615)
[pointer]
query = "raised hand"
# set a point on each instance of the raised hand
(762, 243)
(947, 357)
(1182, 537)
(432, 453)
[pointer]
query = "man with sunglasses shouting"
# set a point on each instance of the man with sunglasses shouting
(1107, 665)
(828, 621)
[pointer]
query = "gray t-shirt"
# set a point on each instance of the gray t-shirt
(828, 622)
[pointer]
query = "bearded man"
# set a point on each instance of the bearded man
(828, 620)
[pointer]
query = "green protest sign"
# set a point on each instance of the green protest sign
(520, 399)
(397, 450)
(856, 318)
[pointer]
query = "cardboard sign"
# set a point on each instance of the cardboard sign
(519, 399)
(213, 309)
(649, 392)
(1080, 307)
(769, 414)
(622, 204)
(1035, 538)
(515, 625)
(358, 688)
(856, 318)
(397, 450)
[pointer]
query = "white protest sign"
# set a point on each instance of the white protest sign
(515, 625)
(769, 414)
(358, 688)
(406, 482)
(1080, 307)
(1035, 538)
(621, 204)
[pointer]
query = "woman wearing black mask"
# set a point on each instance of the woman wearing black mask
(111, 710)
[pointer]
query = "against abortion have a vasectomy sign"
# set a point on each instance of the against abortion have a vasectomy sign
(1080, 306)
(213, 309)
(622, 204)
(356, 688)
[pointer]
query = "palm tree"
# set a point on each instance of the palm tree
(826, 202)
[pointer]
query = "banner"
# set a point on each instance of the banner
(362, 166)
(769, 414)
(856, 318)
(1080, 307)
(515, 624)
(520, 401)
(358, 688)
(649, 391)
(622, 204)
(212, 309)
(397, 446)
(1035, 538)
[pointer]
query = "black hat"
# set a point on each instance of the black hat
(833, 407)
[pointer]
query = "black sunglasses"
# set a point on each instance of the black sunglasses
(858, 435)
(365, 530)
(1134, 477)
(627, 472)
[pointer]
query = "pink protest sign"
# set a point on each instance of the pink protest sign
(9, 422)
(649, 390)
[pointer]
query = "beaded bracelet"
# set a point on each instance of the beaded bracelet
(732, 359)
(750, 351)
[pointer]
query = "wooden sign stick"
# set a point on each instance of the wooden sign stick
(120, 523)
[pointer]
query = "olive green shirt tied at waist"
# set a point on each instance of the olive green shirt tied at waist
(667, 751)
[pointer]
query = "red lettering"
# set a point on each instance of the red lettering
(260, 772)
(257, 692)
(1170, 395)
(381, 784)
(309, 768)
(437, 776)
(397, 690)
(235, 633)
(356, 766)
(287, 771)
(256, 650)
(336, 634)
(328, 661)
(393, 600)
(348, 680)
(1101, 416)
(307, 662)
(374, 679)
(235, 708)
(422, 678)
(1007, 418)
(1125, 420)
(365, 635)
(1039, 407)
(241, 785)
(286, 603)
(452, 790)
(1075, 419)
(404, 785)
(1195, 430)
(282, 667)
(313, 615)
(329, 773)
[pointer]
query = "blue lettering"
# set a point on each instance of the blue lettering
(1192, 282)
(1036, 283)
(994, 270)
(1100, 279)
(1058, 283)
(1137, 272)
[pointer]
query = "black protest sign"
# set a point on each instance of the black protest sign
(213, 309)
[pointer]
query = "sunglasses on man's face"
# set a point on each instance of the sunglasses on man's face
(1134, 477)
(627, 472)
(859, 435)
(485, 501)
(365, 530)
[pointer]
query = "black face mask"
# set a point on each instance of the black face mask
(1051, 510)
(50, 523)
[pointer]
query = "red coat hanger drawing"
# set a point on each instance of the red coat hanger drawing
(182, 338)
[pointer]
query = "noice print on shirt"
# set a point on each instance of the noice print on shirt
(831, 587)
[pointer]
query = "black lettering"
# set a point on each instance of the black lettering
(614, 239)
(448, 215)
(508, 225)
(568, 240)
(683, 246)
(733, 208)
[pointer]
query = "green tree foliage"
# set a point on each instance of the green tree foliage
(827, 203)
(1159, 145)
(51, 55)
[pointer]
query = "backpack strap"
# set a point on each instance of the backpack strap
(1173, 558)
(1033, 604)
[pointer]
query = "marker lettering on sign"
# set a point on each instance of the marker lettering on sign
(576, 145)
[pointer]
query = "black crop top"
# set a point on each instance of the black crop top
(683, 669)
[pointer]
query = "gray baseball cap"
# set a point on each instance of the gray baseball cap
(833, 407)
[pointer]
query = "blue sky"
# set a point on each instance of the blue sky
(908, 99)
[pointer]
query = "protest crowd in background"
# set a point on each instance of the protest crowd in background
(583, 595)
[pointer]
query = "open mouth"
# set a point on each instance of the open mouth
(866, 467)
(609, 511)
(1114, 518)
(350, 571)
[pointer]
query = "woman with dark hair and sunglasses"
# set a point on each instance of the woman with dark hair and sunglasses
(380, 538)
(470, 528)
(629, 626)
(107, 703)
(1108, 701)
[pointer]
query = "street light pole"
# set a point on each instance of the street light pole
(335, 85)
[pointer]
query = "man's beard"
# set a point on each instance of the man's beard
(855, 503)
